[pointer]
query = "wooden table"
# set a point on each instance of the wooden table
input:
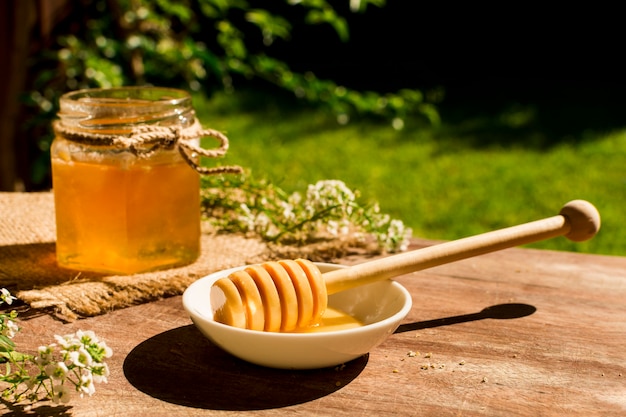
(515, 333)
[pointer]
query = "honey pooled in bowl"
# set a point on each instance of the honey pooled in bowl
(332, 320)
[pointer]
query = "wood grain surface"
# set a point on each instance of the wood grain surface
(519, 332)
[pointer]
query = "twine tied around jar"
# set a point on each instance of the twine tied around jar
(145, 140)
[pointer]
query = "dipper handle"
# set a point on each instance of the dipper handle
(578, 220)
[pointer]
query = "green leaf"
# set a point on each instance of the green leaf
(6, 344)
(361, 6)
(329, 16)
(412, 96)
(175, 8)
(14, 357)
(270, 25)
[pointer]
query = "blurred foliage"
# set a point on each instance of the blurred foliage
(203, 46)
(446, 182)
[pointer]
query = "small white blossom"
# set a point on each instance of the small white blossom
(333, 227)
(67, 342)
(56, 371)
(344, 230)
(80, 357)
(86, 385)
(108, 352)
(6, 296)
(8, 327)
(246, 217)
(80, 366)
(396, 238)
(86, 337)
(288, 212)
(45, 355)
(328, 208)
(100, 372)
(61, 394)
(295, 199)
(329, 193)
(262, 222)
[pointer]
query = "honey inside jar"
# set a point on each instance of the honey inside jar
(112, 218)
(118, 211)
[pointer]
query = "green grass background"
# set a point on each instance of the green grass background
(477, 171)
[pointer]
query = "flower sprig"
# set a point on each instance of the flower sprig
(328, 209)
(75, 361)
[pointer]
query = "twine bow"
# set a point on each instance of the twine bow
(145, 140)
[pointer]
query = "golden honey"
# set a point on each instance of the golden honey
(333, 320)
(119, 211)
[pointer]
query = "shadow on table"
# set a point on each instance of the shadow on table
(30, 266)
(21, 410)
(182, 367)
(498, 311)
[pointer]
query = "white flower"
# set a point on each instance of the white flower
(328, 193)
(80, 357)
(45, 355)
(332, 197)
(86, 337)
(67, 342)
(81, 365)
(108, 352)
(100, 372)
(8, 327)
(12, 328)
(333, 227)
(262, 222)
(287, 213)
(345, 228)
(246, 217)
(295, 198)
(6, 296)
(56, 371)
(396, 238)
(86, 385)
(61, 394)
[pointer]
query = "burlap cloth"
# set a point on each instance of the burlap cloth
(28, 264)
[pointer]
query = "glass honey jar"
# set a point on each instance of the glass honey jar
(127, 199)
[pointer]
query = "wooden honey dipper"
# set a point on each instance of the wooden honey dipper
(291, 294)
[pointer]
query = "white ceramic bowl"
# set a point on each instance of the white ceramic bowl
(381, 306)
